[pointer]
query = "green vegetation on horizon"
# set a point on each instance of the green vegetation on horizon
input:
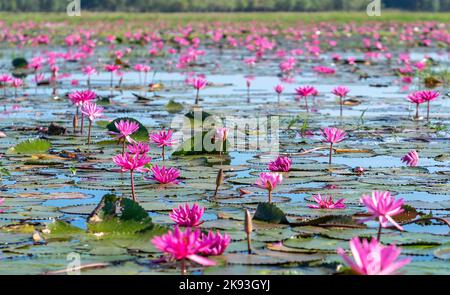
(273, 17)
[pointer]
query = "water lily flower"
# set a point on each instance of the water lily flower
(5, 79)
(280, 164)
(141, 68)
(416, 98)
(326, 202)
(198, 84)
(306, 91)
(165, 175)
(428, 96)
(269, 181)
(92, 111)
(221, 135)
(112, 69)
(372, 258)
(138, 148)
(383, 206)
(16, 83)
(163, 139)
(332, 136)
(214, 244)
(411, 159)
(359, 170)
(126, 129)
(187, 216)
(279, 90)
(89, 71)
(324, 70)
(132, 163)
(183, 245)
(341, 92)
(79, 98)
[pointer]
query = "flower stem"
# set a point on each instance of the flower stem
(428, 111)
(123, 148)
(89, 132)
(249, 243)
(197, 97)
(270, 196)
(133, 193)
(163, 154)
(183, 267)
(379, 233)
(341, 103)
(417, 111)
(82, 124)
(306, 103)
(331, 154)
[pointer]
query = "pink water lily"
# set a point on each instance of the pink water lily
(280, 164)
(92, 111)
(79, 98)
(269, 181)
(221, 135)
(326, 202)
(163, 139)
(198, 84)
(306, 91)
(416, 98)
(138, 148)
(373, 258)
(383, 206)
(428, 96)
(279, 90)
(187, 216)
(132, 163)
(165, 175)
(411, 158)
(89, 71)
(332, 136)
(214, 244)
(125, 130)
(112, 68)
(183, 245)
(16, 83)
(341, 92)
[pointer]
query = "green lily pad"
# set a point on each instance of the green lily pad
(270, 213)
(32, 146)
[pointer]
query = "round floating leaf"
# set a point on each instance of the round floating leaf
(32, 146)
(19, 63)
(174, 107)
(270, 213)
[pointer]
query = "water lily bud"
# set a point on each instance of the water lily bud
(220, 178)
(248, 222)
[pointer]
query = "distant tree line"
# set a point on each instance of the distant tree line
(220, 5)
